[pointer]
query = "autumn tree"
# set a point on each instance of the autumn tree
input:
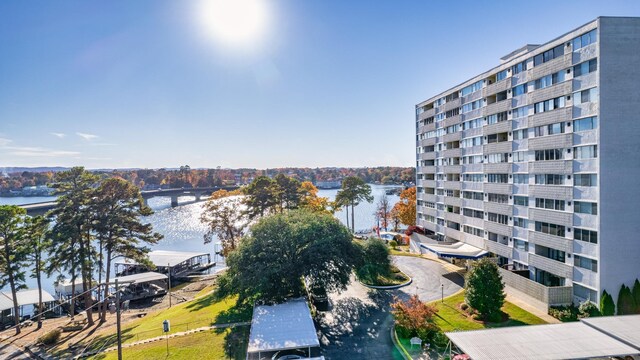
(354, 191)
(484, 289)
(224, 219)
(118, 207)
(310, 200)
(37, 241)
(406, 207)
(72, 247)
(12, 254)
(394, 217)
(414, 317)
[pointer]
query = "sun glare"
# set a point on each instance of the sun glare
(235, 22)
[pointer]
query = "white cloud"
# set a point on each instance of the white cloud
(58, 135)
(87, 137)
(4, 141)
(38, 152)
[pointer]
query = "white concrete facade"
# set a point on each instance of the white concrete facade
(535, 160)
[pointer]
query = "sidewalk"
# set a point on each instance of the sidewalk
(163, 337)
(517, 298)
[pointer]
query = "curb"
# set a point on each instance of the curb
(394, 338)
(390, 287)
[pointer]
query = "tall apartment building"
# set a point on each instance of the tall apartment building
(538, 162)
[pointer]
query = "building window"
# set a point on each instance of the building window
(473, 213)
(520, 178)
(552, 204)
(472, 106)
(496, 118)
(521, 200)
(585, 235)
(520, 112)
(585, 263)
(498, 198)
(585, 152)
(518, 68)
(547, 155)
(520, 156)
(498, 178)
(520, 222)
(472, 177)
(519, 90)
(471, 124)
(549, 80)
(551, 129)
(498, 158)
(501, 75)
(585, 207)
(473, 231)
(585, 124)
(585, 68)
(551, 229)
(548, 55)
(521, 245)
(472, 88)
(585, 96)
(585, 39)
(585, 180)
(469, 142)
(453, 225)
(498, 218)
(472, 195)
(549, 105)
(472, 159)
(520, 134)
(585, 293)
(550, 179)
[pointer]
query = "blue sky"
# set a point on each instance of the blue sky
(327, 83)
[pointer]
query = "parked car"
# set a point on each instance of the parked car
(289, 355)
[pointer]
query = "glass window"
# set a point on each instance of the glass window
(551, 204)
(551, 129)
(548, 55)
(518, 68)
(585, 124)
(498, 178)
(521, 245)
(498, 218)
(520, 112)
(471, 124)
(549, 179)
(585, 235)
(551, 229)
(520, 134)
(546, 155)
(501, 75)
(520, 222)
(585, 180)
(520, 156)
(521, 200)
(472, 88)
(549, 105)
(585, 263)
(585, 152)
(520, 178)
(498, 158)
(585, 67)
(498, 198)
(585, 39)
(585, 207)
(519, 90)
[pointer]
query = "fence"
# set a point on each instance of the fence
(555, 295)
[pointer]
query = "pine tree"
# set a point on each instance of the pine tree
(607, 306)
(12, 253)
(484, 289)
(636, 295)
(37, 241)
(626, 304)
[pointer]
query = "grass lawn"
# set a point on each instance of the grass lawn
(450, 317)
(199, 312)
(202, 345)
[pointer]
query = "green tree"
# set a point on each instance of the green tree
(72, 245)
(375, 261)
(37, 241)
(484, 289)
(224, 220)
(636, 295)
(12, 253)
(283, 249)
(259, 199)
(626, 305)
(607, 306)
(354, 191)
(118, 207)
(287, 192)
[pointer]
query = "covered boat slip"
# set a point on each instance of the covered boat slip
(25, 298)
(283, 327)
(132, 287)
(591, 338)
(177, 264)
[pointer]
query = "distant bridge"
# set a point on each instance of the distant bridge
(42, 207)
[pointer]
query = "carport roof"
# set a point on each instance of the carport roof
(282, 326)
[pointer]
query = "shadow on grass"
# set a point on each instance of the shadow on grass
(236, 341)
(96, 344)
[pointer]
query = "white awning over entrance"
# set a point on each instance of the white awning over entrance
(457, 250)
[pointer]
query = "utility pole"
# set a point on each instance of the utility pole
(118, 321)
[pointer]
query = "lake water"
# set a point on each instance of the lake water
(183, 230)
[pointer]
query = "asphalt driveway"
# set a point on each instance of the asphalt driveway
(358, 323)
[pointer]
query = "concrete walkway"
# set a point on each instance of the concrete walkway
(431, 279)
(517, 298)
(158, 338)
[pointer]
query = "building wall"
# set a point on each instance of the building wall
(619, 152)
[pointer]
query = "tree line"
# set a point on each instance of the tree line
(96, 219)
(185, 176)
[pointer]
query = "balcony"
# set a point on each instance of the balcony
(557, 90)
(498, 188)
(452, 185)
(449, 105)
(551, 142)
(427, 113)
(559, 192)
(551, 216)
(453, 201)
(497, 208)
(497, 87)
(550, 117)
(550, 241)
(452, 137)
(496, 228)
(452, 120)
(498, 107)
(497, 248)
(555, 295)
(558, 64)
(551, 167)
(497, 168)
(452, 153)
(585, 276)
(552, 266)
(498, 147)
(502, 126)
(586, 109)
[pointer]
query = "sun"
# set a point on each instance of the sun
(235, 22)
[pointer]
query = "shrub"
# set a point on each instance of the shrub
(50, 338)
(564, 313)
(636, 295)
(376, 261)
(413, 228)
(414, 318)
(588, 309)
(393, 244)
(607, 306)
(484, 289)
(464, 306)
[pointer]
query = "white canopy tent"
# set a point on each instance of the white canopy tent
(575, 340)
